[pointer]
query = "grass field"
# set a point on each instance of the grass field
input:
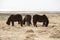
(16, 32)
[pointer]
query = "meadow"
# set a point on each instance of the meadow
(16, 32)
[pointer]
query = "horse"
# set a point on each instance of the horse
(40, 18)
(14, 18)
(27, 19)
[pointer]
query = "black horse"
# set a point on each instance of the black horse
(40, 18)
(27, 19)
(14, 18)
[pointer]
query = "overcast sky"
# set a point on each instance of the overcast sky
(29, 5)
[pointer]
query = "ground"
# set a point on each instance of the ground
(16, 32)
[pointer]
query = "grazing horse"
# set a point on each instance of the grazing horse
(27, 19)
(40, 18)
(14, 18)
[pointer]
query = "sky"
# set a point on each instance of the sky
(29, 5)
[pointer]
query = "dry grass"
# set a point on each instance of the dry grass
(52, 32)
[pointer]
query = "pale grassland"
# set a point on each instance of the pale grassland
(52, 32)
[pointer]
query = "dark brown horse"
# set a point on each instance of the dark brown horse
(27, 19)
(40, 18)
(14, 18)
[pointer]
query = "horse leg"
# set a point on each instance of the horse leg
(34, 23)
(28, 23)
(12, 23)
(21, 23)
(43, 23)
(24, 23)
(18, 22)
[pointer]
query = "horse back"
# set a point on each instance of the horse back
(16, 17)
(40, 18)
